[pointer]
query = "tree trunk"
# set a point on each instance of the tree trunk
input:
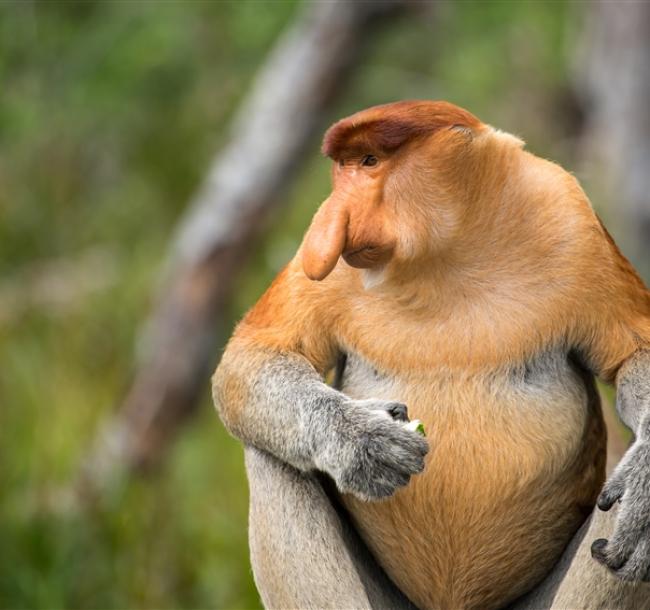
(613, 77)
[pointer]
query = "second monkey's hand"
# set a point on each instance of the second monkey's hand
(627, 553)
(367, 450)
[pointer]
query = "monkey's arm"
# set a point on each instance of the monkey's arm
(627, 552)
(616, 317)
(270, 393)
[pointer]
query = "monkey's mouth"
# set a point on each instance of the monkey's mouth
(367, 256)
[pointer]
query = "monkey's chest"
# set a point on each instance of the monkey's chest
(516, 461)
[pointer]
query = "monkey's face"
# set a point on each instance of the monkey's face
(391, 198)
(354, 221)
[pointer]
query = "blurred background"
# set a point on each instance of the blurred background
(159, 163)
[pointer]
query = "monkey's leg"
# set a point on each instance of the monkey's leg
(304, 552)
(579, 582)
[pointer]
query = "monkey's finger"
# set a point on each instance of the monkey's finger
(369, 485)
(402, 459)
(615, 552)
(601, 551)
(400, 443)
(398, 411)
(395, 410)
(598, 549)
(612, 491)
(636, 567)
(411, 452)
(385, 484)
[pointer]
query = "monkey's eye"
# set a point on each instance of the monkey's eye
(369, 161)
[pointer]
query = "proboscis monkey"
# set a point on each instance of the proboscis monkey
(455, 273)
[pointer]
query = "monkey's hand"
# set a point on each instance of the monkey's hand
(627, 553)
(368, 451)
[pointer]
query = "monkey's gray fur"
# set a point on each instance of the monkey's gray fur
(309, 425)
(627, 553)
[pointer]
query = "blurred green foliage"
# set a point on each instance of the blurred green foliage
(109, 115)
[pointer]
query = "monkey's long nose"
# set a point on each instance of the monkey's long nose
(324, 242)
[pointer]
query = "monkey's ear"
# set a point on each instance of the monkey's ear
(324, 242)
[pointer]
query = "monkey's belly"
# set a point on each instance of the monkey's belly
(514, 469)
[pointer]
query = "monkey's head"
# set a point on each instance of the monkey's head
(396, 176)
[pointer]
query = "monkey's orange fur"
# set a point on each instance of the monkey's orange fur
(490, 258)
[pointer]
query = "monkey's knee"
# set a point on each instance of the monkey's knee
(588, 584)
(579, 582)
(298, 551)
